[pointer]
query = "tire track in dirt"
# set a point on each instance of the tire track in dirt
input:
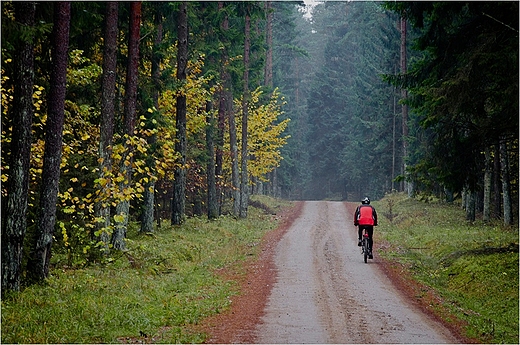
(325, 293)
(339, 308)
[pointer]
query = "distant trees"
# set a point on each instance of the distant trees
(350, 109)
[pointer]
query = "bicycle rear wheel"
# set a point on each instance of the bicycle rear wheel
(365, 249)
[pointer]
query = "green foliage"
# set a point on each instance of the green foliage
(265, 132)
(463, 88)
(473, 266)
(164, 283)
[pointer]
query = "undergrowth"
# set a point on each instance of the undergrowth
(474, 266)
(165, 282)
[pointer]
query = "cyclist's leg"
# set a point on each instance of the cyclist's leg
(370, 230)
(360, 234)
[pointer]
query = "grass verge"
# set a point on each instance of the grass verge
(164, 283)
(472, 266)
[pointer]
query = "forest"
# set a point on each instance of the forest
(118, 113)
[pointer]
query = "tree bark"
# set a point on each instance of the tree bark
(123, 206)
(219, 149)
(226, 110)
(268, 75)
(15, 222)
(213, 209)
(38, 267)
(235, 182)
(404, 95)
(470, 205)
(244, 180)
(179, 183)
(486, 213)
(268, 72)
(497, 186)
(223, 112)
(149, 188)
(506, 187)
(108, 95)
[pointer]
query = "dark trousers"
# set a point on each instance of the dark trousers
(370, 231)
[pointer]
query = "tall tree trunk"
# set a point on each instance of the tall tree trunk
(149, 188)
(212, 187)
(394, 120)
(38, 267)
(244, 181)
(506, 187)
(222, 112)
(235, 182)
(123, 206)
(15, 222)
(486, 213)
(470, 204)
(226, 110)
(497, 186)
(268, 75)
(179, 183)
(219, 149)
(276, 188)
(108, 95)
(404, 95)
(268, 72)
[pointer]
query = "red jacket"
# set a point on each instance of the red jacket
(365, 215)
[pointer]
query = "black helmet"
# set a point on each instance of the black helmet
(366, 201)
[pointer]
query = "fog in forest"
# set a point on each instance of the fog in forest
(346, 128)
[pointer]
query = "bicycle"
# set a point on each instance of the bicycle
(365, 248)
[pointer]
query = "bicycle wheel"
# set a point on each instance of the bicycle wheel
(365, 249)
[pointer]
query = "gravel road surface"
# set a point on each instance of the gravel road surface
(325, 293)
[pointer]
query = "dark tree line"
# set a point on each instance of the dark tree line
(464, 95)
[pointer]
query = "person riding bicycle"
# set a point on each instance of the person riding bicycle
(366, 218)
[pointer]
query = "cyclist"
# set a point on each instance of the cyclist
(366, 218)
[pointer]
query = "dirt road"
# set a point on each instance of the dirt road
(325, 293)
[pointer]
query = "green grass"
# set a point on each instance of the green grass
(473, 266)
(164, 283)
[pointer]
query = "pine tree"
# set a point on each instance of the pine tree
(15, 222)
(179, 187)
(38, 267)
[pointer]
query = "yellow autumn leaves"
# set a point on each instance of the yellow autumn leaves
(82, 185)
(265, 133)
